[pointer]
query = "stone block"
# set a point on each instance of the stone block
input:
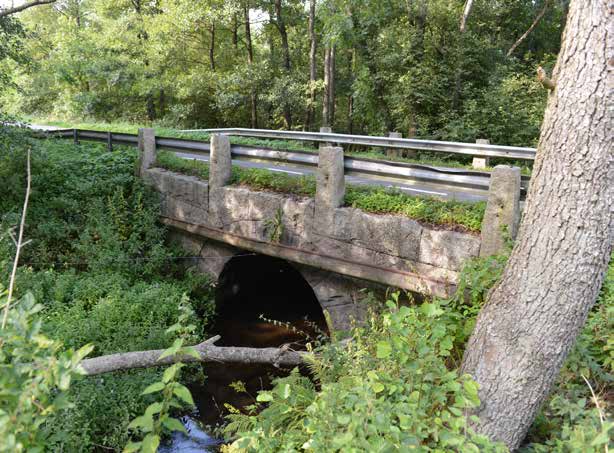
(220, 161)
(481, 162)
(502, 209)
(394, 152)
(330, 181)
(147, 150)
(447, 249)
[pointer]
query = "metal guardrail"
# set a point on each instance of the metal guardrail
(402, 171)
(471, 149)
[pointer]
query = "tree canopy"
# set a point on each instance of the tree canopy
(398, 65)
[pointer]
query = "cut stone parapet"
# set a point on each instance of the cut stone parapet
(220, 161)
(481, 162)
(502, 209)
(330, 180)
(147, 150)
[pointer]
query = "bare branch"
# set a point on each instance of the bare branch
(16, 9)
(531, 28)
(466, 12)
(208, 353)
(544, 80)
(18, 245)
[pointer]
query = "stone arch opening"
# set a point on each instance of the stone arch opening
(254, 289)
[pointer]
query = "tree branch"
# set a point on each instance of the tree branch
(16, 9)
(531, 28)
(208, 353)
(18, 244)
(466, 12)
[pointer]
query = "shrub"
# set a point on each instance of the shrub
(388, 389)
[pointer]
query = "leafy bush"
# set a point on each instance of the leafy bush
(35, 376)
(388, 389)
(102, 273)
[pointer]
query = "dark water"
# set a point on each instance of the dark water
(215, 393)
(251, 291)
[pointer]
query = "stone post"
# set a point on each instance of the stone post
(147, 150)
(394, 152)
(330, 181)
(220, 161)
(481, 162)
(502, 209)
(325, 130)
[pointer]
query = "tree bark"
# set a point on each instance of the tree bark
(250, 61)
(16, 9)
(331, 83)
(326, 100)
(312, 65)
(212, 46)
(283, 33)
(533, 315)
(208, 353)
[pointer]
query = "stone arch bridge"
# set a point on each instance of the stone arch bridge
(338, 251)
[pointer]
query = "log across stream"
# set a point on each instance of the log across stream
(216, 392)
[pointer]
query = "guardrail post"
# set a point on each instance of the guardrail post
(481, 162)
(502, 209)
(330, 180)
(110, 141)
(325, 130)
(220, 161)
(394, 152)
(147, 150)
(75, 136)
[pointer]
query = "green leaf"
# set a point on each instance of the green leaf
(183, 393)
(151, 442)
(170, 373)
(153, 388)
(131, 447)
(172, 350)
(384, 349)
(174, 425)
(144, 422)
(264, 397)
(190, 351)
(153, 408)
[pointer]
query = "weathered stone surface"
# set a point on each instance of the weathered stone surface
(394, 152)
(481, 162)
(147, 150)
(183, 197)
(220, 161)
(502, 209)
(447, 249)
(330, 180)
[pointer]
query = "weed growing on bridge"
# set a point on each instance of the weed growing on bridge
(452, 214)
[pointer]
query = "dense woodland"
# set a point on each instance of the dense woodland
(87, 270)
(359, 66)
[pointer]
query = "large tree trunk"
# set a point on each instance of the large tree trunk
(312, 65)
(533, 315)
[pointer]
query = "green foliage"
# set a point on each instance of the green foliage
(103, 275)
(388, 389)
(36, 374)
(399, 66)
(429, 210)
(173, 393)
(570, 420)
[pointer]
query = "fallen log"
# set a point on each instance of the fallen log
(208, 353)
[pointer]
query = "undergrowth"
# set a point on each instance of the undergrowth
(102, 274)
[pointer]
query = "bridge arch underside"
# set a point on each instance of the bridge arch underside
(283, 291)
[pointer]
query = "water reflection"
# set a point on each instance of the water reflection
(196, 441)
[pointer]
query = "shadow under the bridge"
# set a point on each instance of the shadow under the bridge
(252, 287)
